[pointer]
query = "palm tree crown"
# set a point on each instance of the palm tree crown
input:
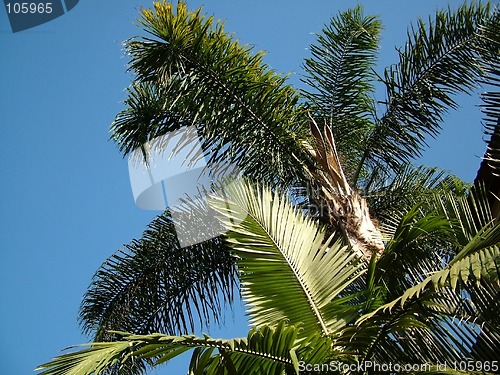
(342, 250)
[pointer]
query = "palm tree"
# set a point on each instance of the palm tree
(399, 265)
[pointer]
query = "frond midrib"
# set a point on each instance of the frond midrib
(295, 271)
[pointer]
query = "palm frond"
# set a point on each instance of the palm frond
(283, 257)
(440, 272)
(467, 213)
(266, 350)
(389, 195)
(153, 285)
(491, 108)
(426, 317)
(444, 219)
(429, 308)
(440, 59)
(193, 72)
(419, 243)
(480, 264)
(431, 238)
(340, 76)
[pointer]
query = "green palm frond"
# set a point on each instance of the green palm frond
(274, 350)
(427, 325)
(389, 195)
(287, 269)
(153, 285)
(482, 264)
(467, 213)
(440, 59)
(193, 72)
(418, 244)
(431, 240)
(431, 233)
(340, 76)
(491, 109)
(428, 322)
(440, 272)
(266, 350)
(478, 260)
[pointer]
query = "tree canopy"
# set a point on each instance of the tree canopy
(347, 252)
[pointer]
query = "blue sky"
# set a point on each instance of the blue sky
(65, 198)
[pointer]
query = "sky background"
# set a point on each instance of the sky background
(65, 198)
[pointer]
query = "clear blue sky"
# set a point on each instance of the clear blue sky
(65, 199)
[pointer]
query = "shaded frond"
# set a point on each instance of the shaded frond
(444, 219)
(491, 109)
(441, 272)
(467, 214)
(153, 285)
(418, 245)
(388, 196)
(478, 260)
